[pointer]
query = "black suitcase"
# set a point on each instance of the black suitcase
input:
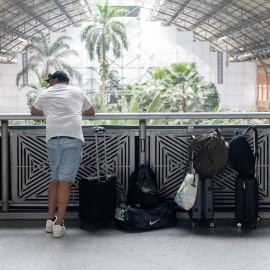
(203, 209)
(247, 195)
(246, 201)
(97, 193)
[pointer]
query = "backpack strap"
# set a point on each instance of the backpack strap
(256, 154)
(197, 141)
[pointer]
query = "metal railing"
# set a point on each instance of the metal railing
(142, 117)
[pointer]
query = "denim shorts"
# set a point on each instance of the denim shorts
(65, 156)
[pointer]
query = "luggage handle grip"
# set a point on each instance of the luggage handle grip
(99, 130)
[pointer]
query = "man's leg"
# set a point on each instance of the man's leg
(63, 195)
(53, 191)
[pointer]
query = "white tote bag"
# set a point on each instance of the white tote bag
(187, 192)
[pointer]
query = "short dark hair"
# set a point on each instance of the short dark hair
(60, 75)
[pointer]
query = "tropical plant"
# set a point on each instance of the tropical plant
(181, 79)
(232, 121)
(50, 57)
(181, 88)
(203, 97)
(36, 89)
(103, 35)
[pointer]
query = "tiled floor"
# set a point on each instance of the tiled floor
(25, 245)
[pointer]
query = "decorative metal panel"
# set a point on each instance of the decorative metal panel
(169, 157)
(30, 170)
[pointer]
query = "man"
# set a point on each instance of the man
(63, 107)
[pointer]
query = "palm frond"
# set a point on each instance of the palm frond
(71, 71)
(25, 69)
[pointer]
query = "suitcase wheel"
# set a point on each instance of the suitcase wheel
(239, 225)
(82, 226)
(254, 225)
(194, 224)
(212, 224)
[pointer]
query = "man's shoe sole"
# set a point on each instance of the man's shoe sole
(59, 235)
(49, 230)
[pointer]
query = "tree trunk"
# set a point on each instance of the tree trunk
(103, 89)
(46, 72)
(184, 102)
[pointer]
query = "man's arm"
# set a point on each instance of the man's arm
(88, 112)
(37, 112)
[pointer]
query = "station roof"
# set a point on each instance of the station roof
(239, 27)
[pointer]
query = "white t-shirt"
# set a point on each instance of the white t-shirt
(62, 106)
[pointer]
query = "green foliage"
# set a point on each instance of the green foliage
(134, 108)
(49, 56)
(179, 88)
(105, 34)
(231, 121)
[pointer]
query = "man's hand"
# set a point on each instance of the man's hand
(37, 112)
(90, 111)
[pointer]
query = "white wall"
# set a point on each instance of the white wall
(11, 99)
(239, 88)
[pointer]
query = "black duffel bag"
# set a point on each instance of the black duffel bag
(138, 218)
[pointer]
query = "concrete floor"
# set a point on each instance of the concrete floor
(25, 245)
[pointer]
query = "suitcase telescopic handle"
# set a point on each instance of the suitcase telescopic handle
(101, 130)
(191, 166)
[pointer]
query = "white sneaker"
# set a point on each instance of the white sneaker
(49, 225)
(59, 230)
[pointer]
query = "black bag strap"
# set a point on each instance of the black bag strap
(199, 140)
(190, 160)
(254, 128)
(256, 152)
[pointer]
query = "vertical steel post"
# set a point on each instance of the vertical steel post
(4, 169)
(142, 138)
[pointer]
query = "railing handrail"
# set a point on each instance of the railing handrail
(147, 116)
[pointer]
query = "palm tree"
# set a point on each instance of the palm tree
(179, 85)
(105, 34)
(49, 56)
(36, 89)
(183, 76)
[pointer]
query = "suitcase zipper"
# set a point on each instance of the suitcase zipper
(244, 185)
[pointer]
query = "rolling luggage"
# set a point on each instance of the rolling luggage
(247, 190)
(203, 209)
(97, 193)
(246, 201)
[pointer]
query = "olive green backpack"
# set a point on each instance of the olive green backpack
(211, 154)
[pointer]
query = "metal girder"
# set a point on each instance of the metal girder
(247, 25)
(250, 23)
(58, 4)
(11, 32)
(88, 7)
(182, 7)
(215, 11)
(18, 4)
(154, 9)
